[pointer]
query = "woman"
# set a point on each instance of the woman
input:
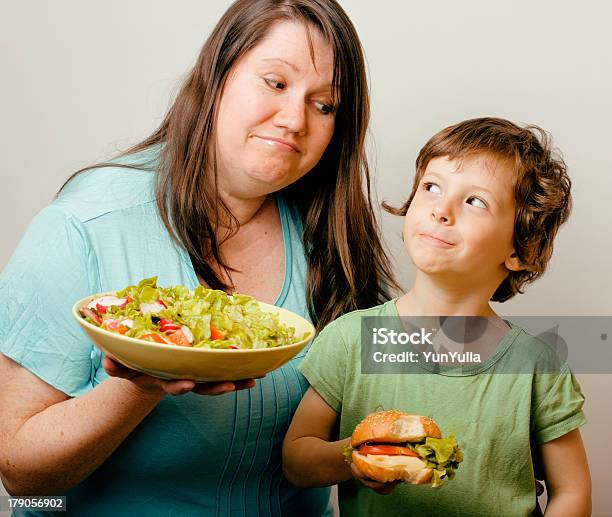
(253, 183)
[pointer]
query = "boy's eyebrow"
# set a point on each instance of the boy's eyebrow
(476, 187)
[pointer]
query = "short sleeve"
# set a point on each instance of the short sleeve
(48, 272)
(325, 366)
(557, 405)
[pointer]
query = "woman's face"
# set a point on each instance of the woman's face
(276, 116)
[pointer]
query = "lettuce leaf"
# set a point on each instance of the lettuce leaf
(347, 452)
(441, 454)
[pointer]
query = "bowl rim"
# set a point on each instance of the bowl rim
(149, 344)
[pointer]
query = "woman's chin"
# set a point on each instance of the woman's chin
(272, 177)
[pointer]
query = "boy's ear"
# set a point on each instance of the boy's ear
(513, 263)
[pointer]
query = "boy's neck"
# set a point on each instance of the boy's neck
(433, 297)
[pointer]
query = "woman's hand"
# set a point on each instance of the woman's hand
(149, 384)
(378, 487)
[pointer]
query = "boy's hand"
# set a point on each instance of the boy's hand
(378, 487)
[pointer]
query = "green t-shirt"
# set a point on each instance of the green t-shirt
(496, 417)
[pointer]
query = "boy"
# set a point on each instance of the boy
(486, 204)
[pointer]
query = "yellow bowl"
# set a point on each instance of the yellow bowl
(200, 364)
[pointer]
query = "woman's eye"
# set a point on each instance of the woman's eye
(477, 202)
(276, 84)
(432, 187)
(326, 109)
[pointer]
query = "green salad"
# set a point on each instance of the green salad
(202, 318)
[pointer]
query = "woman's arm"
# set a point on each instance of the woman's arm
(309, 457)
(50, 442)
(568, 480)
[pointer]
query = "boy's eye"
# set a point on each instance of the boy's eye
(276, 84)
(431, 187)
(477, 202)
(326, 109)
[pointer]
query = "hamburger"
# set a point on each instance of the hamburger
(395, 446)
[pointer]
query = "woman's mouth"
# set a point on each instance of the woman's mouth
(279, 143)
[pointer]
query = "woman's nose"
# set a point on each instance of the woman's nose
(292, 115)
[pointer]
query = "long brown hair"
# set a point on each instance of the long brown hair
(542, 187)
(348, 268)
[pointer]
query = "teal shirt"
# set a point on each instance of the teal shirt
(192, 455)
(496, 417)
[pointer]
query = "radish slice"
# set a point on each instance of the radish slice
(145, 308)
(188, 334)
(107, 301)
(85, 311)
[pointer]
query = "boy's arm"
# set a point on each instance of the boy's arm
(309, 457)
(567, 476)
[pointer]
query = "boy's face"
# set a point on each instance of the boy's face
(460, 223)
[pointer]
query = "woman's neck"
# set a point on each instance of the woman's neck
(244, 209)
(434, 297)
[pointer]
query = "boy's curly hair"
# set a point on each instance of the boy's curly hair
(541, 187)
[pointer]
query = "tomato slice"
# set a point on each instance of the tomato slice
(179, 338)
(391, 450)
(216, 333)
(167, 325)
(156, 338)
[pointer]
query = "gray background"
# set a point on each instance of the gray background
(81, 80)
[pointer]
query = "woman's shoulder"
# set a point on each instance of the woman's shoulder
(101, 190)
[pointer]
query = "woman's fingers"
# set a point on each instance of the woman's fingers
(218, 388)
(174, 387)
(245, 384)
(213, 388)
(116, 369)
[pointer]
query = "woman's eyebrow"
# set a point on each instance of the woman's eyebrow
(281, 60)
(296, 69)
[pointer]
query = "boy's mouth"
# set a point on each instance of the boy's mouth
(436, 241)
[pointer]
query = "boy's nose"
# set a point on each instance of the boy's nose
(442, 214)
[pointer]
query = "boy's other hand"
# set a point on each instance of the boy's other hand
(377, 486)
